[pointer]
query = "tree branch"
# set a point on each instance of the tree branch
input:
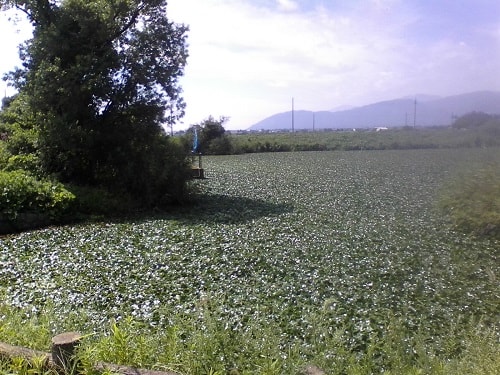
(129, 24)
(39, 12)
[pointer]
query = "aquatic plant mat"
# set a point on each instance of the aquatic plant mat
(323, 253)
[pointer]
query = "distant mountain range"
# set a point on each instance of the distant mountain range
(430, 111)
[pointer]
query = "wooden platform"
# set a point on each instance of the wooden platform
(197, 172)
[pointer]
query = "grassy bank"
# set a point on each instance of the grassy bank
(199, 343)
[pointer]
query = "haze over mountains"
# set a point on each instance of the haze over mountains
(429, 111)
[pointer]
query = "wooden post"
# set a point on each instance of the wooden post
(64, 350)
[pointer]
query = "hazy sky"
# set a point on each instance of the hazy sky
(248, 58)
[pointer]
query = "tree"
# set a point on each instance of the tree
(211, 136)
(98, 76)
(471, 120)
(19, 136)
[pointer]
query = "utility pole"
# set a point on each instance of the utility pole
(313, 121)
(293, 119)
(415, 113)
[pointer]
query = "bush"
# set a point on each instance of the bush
(19, 131)
(94, 201)
(163, 180)
(4, 155)
(473, 201)
(20, 192)
(473, 120)
(26, 162)
(220, 146)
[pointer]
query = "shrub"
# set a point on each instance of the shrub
(472, 120)
(4, 155)
(99, 201)
(220, 146)
(26, 162)
(473, 201)
(20, 192)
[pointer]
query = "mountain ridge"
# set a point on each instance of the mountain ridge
(431, 111)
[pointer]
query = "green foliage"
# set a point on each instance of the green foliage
(480, 353)
(474, 120)
(21, 366)
(19, 137)
(199, 343)
(330, 258)
(159, 182)
(392, 139)
(22, 328)
(27, 162)
(18, 125)
(22, 193)
(211, 137)
(95, 83)
(221, 146)
(99, 203)
(472, 200)
(126, 344)
(4, 154)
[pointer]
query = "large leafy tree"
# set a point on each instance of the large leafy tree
(98, 75)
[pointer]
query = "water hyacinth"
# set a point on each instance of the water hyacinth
(352, 237)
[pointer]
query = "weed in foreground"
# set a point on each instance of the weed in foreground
(202, 343)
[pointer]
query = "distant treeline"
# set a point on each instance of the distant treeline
(392, 139)
(472, 130)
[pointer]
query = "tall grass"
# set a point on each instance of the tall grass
(202, 343)
(472, 200)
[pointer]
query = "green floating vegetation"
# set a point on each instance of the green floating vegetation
(337, 259)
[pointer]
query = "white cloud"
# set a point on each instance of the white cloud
(260, 58)
(287, 5)
(14, 30)
(248, 58)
